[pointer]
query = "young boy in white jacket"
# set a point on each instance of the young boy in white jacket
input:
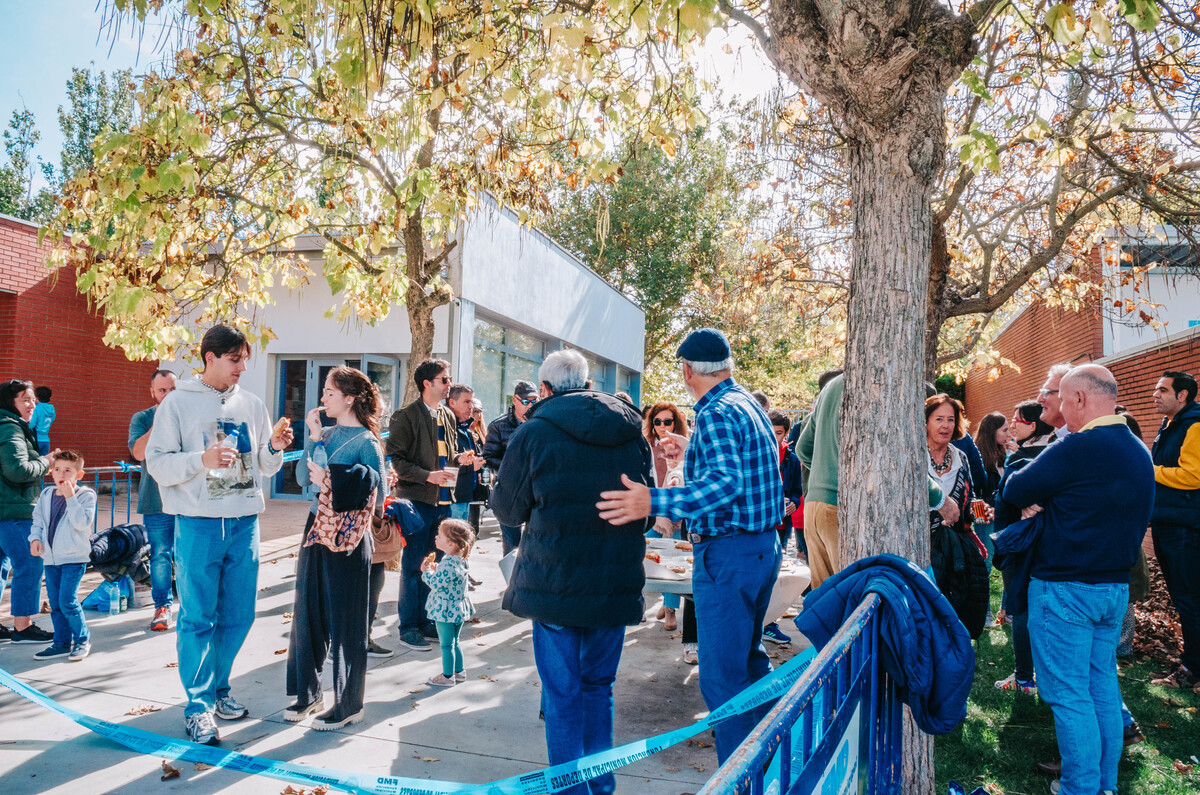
(210, 447)
(61, 536)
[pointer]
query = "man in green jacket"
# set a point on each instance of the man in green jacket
(422, 445)
(818, 448)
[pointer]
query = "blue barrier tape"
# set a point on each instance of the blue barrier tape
(294, 455)
(551, 779)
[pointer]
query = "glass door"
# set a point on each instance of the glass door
(384, 374)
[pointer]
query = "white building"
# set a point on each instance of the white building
(518, 296)
(1169, 291)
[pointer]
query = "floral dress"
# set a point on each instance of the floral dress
(448, 600)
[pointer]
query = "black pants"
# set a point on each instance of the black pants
(377, 572)
(689, 620)
(330, 606)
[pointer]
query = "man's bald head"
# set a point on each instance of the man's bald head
(1088, 392)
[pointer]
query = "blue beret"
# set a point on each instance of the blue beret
(705, 345)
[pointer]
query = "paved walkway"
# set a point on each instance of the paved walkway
(484, 729)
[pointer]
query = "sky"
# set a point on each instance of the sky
(41, 40)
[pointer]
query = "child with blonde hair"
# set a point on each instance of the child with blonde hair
(448, 605)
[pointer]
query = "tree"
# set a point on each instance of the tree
(377, 127)
(662, 227)
(96, 104)
(17, 197)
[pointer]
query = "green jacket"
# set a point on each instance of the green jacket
(21, 467)
(819, 442)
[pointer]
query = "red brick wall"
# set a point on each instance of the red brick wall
(1039, 338)
(48, 335)
(1137, 374)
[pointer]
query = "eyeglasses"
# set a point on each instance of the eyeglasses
(445, 379)
(1045, 393)
(527, 401)
(658, 422)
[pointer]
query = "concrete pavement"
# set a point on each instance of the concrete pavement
(484, 729)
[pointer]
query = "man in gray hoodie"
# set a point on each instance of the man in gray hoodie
(210, 446)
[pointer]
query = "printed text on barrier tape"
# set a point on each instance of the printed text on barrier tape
(551, 779)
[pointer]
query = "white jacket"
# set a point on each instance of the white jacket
(189, 421)
(73, 538)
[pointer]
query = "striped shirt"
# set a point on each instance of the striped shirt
(731, 468)
(443, 457)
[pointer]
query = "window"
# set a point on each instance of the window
(502, 356)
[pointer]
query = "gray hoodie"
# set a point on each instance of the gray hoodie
(73, 538)
(189, 421)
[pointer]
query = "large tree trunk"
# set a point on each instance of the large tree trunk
(884, 69)
(419, 302)
(935, 313)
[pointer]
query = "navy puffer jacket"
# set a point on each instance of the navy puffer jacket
(574, 569)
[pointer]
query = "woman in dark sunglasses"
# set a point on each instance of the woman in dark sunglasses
(662, 419)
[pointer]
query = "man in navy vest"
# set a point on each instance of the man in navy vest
(1176, 520)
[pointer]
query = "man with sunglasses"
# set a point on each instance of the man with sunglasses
(422, 443)
(525, 395)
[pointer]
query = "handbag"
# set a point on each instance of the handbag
(389, 541)
(339, 532)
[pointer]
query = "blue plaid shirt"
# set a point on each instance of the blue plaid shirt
(731, 468)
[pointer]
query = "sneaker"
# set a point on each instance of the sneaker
(690, 654)
(162, 619)
(53, 651)
(32, 634)
(460, 677)
(375, 650)
(228, 708)
(1026, 686)
(298, 712)
(413, 639)
(1133, 734)
(5, 633)
(441, 680)
(1181, 677)
(326, 722)
(80, 650)
(772, 634)
(202, 729)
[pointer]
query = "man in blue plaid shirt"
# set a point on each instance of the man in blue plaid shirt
(732, 499)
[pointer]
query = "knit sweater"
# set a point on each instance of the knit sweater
(1096, 488)
(346, 444)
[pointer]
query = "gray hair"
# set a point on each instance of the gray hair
(1095, 379)
(709, 368)
(1059, 370)
(564, 370)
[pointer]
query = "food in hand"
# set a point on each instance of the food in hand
(431, 557)
(654, 556)
(686, 545)
(280, 426)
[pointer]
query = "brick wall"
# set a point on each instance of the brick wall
(49, 335)
(1137, 373)
(1039, 337)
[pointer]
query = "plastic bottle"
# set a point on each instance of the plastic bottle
(229, 443)
(124, 602)
(114, 600)
(319, 457)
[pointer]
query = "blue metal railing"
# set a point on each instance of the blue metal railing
(118, 485)
(837, 728)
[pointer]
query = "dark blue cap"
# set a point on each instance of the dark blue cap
(705, 345)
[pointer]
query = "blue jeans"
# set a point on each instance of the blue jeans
(578, 667)
(452, 658)
(731, 587)
(984, 531)
(1178, 552)
(44, 447)
(1075, 627)
(160, 529)
(27, 570)
(510, 538)
(670, 600)
(218, 586)
(414, 593)
(461, 510)
(62, 588)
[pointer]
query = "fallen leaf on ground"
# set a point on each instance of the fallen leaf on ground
(417, 690)
(474, 620)
(430, 759)
(671, 769)
(203, 766)
(477, 635)
(320, 789)
(1183, 769)
(169, 771)
(142, 709)
(485, 676)
(171, 665)
(287, 618)
(1162, 724)
(282, 651)
(699, 744)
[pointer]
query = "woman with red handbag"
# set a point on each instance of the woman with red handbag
(345, 462)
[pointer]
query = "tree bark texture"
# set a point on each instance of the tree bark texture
(883, 68)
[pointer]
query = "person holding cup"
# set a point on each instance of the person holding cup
(422, 444)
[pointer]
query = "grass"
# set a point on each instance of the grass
(1005, 734)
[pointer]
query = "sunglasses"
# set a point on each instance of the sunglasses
(658, 422)
(1045, 393)
(445, 379)
(528, 401)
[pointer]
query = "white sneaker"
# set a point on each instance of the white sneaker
(691, 655)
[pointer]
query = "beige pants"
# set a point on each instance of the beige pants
(821, 535)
